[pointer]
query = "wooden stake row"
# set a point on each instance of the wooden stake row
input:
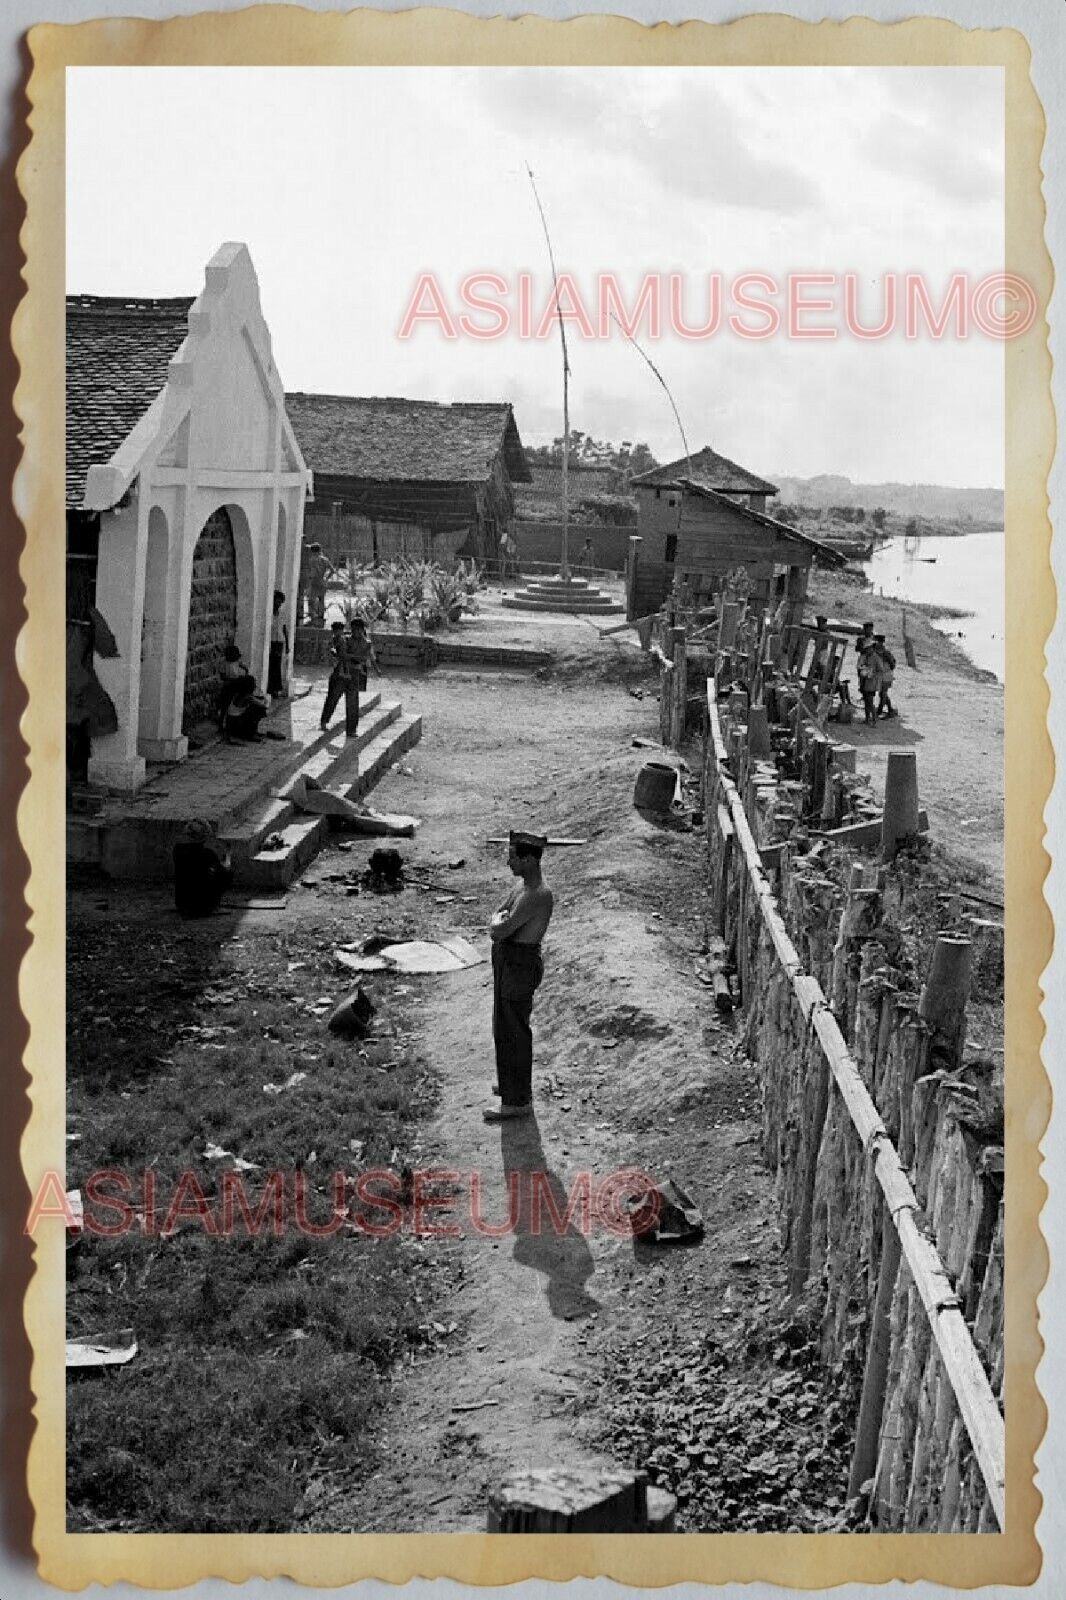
(969, 1382)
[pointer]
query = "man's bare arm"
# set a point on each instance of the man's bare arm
(510, 917)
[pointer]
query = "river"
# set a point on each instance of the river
(965, 573)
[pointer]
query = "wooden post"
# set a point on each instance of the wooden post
(819, 768)
(872, 1404)
(860, 916)
(987, 949)
(900, 819)
(727, 627)
(796, 593)
(759, 747)
(942, 1004)
(632, 565)
(679, 686)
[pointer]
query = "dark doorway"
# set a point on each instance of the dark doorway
(212, 616)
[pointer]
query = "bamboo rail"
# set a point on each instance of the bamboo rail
(969, 1382)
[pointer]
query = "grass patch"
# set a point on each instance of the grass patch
(263, 1362)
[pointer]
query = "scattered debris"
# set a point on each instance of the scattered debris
(384, 873)
(475, 1405)
(290, 1083)
(359, 963)
(215, 1152)
(107, 1350)
(450, 954)
(460, 861)
(665, 1214)
(353, 1016)
(272, 842)
(550, 842)
(277, 903)
(312, 797)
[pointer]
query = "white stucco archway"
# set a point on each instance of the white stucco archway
(153, 623)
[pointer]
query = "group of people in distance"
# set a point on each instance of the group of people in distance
(876, 669)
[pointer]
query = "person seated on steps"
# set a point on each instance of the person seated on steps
(241, 707)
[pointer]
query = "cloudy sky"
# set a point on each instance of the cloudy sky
(346, 184)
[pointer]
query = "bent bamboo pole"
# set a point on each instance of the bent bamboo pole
(969, 1381)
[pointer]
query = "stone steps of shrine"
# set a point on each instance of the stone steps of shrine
(267, 811)
(357, 768)
(239, 789)
(580, 604)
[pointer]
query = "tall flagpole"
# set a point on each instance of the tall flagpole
(564, 564)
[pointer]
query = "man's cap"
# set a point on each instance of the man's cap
(337, 625)
(518, 836)
(358, 622)
(879, 637)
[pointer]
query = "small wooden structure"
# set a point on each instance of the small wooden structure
(716, 534)
(444, 473)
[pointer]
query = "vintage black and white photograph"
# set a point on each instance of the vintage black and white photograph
(535, 662)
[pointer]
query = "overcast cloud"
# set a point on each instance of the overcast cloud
(347, 183)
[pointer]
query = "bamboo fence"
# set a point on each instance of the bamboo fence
(929, 1446)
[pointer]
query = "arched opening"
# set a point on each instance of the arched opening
(212, 616)
(153, 626)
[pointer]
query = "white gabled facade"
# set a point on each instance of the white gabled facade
(216, 438)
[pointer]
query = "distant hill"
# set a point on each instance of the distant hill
(905, 499)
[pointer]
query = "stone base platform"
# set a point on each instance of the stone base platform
(570, 595)
(237, 788)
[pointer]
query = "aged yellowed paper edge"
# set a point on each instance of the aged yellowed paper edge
(285, 35)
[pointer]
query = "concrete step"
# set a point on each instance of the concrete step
(557, 583)
(275, 869)
(600, 606)
(556, 586)
(327, 757)
(279, 771)
(383, 753)
(304, 836)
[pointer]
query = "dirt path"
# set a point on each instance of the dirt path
(632, 1065)
(643, 1073)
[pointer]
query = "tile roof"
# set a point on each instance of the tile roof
(783, 530)
(709, 468)
(403, 441)
(118, 349)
